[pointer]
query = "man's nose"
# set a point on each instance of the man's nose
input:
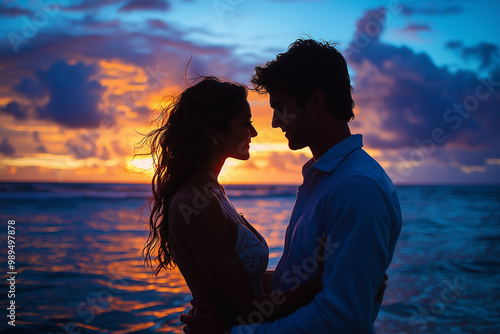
(276, 121)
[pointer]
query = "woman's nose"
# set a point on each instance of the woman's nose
(253, 132)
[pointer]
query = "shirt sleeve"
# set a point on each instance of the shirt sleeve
(362, 224)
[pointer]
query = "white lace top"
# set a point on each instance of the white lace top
(251, 246)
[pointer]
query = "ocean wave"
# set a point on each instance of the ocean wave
(44, 191)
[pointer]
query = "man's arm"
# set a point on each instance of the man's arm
(362, 220)
(267, 279)
(266, 308)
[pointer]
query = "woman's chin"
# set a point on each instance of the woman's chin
(242, 156)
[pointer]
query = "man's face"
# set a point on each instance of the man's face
(292, 120)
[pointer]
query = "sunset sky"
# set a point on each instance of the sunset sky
(81, 80)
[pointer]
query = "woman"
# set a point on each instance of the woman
(193, 224)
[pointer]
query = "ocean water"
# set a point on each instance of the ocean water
(78, 265)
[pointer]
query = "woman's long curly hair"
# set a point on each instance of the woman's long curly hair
(178, 147)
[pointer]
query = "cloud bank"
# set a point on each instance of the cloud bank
(407, 103)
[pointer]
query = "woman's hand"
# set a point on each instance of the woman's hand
(204, 318)
(284, 303)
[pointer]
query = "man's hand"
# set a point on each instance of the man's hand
(380, 293)
(204, 318)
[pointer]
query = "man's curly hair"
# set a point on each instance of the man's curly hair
(308, 65)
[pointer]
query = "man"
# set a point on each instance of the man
(345, 198)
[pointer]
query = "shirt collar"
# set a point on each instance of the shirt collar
(331, 158)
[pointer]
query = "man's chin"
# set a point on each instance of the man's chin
(295, 146)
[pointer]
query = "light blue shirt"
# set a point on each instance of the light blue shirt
(347, 197)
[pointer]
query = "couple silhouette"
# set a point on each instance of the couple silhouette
(342, 231)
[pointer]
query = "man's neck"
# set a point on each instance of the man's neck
(329, 137)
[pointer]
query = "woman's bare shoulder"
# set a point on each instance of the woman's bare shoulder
(195, 205)
(194, 193)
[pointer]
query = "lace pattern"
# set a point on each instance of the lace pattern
(251, 248)
(254, 256)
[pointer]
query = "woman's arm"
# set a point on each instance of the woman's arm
(280, 304)
(267, 308)
(285, 303)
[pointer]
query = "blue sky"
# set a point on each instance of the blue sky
(80, 77)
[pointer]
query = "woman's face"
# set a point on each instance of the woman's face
(236, 142)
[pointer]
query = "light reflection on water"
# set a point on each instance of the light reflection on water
(79, 264)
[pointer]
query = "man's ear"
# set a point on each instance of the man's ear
(317, 100)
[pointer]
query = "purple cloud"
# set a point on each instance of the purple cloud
(15, 110)
(486, 53)
(36, 138)
(30, 88)
(85, 146)
(431, 8)
(104, 153)
(91, 5)
(158, 24)
(14, 11)
(91, 23)
(118, 149)
(414, 102)
(73, 97)
(6, 148)
(164, 64)
(416, 27)
(370, 26)
(153, 5)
